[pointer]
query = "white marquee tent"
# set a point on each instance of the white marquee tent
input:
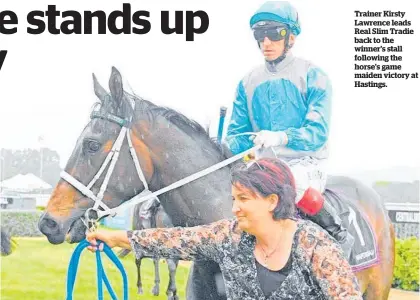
(26, 182)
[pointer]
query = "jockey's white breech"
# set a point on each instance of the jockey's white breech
(307, 171)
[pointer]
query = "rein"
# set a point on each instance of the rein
(146, 194)
(101, 275)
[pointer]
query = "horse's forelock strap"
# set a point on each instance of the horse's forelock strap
(107, 116)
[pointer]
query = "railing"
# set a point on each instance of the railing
(406, 219)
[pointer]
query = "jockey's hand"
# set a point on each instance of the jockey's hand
(266, 138)
(249, 157)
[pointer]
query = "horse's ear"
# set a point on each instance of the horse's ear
(99, 90)
(116, 86)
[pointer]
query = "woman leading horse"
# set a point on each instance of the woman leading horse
(264, 252)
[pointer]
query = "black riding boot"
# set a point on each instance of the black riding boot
(329, 219)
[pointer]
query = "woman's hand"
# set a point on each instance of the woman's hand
(111, 238)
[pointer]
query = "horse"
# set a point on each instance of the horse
(150, 214)
(8, 244)
(168, 147)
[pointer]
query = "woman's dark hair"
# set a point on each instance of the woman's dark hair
(269, 176)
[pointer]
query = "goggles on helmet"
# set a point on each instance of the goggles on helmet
(273, 33)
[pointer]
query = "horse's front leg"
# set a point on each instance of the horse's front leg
(156, 288)
(171, 291)
(139, 285)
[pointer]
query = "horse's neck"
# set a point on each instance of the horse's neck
(177, 154)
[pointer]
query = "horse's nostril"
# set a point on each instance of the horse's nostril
(51, 229)
(50, 223)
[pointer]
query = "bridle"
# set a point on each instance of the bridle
(110, 159)
(93, 214)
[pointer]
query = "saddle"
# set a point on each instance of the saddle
(345, 195)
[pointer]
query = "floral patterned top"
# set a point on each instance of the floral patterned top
(319, 269)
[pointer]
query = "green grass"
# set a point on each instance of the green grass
(38, 270)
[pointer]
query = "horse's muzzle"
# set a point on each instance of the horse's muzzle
(51, 229)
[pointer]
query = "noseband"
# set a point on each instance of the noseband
(111, 159)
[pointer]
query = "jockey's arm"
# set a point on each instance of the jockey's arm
(313, 133)
(239, 123)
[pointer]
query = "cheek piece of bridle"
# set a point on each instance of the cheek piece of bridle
(100, 209)
(92, 214)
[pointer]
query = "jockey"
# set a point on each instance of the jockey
(287, 103)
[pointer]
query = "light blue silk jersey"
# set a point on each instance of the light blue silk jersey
(294, 96)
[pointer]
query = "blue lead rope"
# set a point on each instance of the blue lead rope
(101, 276)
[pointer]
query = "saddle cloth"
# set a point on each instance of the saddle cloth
(364, 253)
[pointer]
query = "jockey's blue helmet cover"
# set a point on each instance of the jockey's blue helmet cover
(277, 11)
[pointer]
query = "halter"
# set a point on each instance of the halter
(112, 158)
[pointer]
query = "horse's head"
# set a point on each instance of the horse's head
(130, 146)
(100, 167)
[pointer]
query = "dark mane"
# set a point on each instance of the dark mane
(184, 123)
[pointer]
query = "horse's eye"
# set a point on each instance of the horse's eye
(92, 146)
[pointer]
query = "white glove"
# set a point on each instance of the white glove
(266, 138)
